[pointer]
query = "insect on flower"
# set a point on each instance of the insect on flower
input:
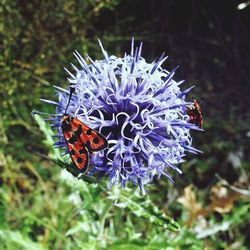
(195, 113)
(80, 139)
(137, 106)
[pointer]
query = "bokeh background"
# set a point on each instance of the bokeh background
(41, 207)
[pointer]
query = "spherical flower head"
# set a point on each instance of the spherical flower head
(140, 110)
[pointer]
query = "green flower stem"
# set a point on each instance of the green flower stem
(139, 205)
(104, 216)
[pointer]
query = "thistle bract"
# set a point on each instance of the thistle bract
(138, 107)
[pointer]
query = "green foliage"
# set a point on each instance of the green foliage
(48, 134)
(15, 240)
(34, 36)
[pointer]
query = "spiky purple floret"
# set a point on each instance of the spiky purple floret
(138, 107)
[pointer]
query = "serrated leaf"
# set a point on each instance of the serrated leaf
(141, 206)
(48, 133)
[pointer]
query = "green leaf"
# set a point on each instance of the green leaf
(143, 207)
(139, 205)
(48, 132)
(13, 237)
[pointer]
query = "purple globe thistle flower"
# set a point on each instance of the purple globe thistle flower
(138, 107)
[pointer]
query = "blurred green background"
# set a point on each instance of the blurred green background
(43, 207)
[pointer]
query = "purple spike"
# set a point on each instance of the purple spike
(158, 63)
(132, 47)
(104, 52)
(167, 81)
(139, 52)
(50, 102)
(94, 65)
(183, 93)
